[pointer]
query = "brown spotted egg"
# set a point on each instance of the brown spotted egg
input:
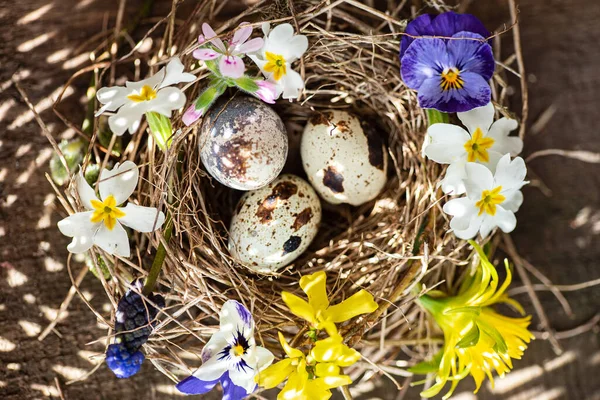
(344, 162)
(273, 225)
(243, 143)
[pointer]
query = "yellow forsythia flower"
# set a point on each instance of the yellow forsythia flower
(477, 340)
(317, 310)
(310, 377)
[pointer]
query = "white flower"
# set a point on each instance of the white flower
(231, 354)
(101, 224)
(275, 59)
(491, 200)
(149, 95)
(484, 143)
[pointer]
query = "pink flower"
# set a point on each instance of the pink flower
(267, 91)
(230, 63)
(191, 115)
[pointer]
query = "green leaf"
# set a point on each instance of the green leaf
(247, 84)
(101, 263)
(210, 94)
(470, 339)
(161, 129)
(426, 367)
(500, 345)
(73, 152)
(436, 117)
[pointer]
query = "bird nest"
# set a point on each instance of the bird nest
(385, 246)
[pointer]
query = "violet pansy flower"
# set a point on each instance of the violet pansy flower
(228, 54)
(230, 357)
(450, 75)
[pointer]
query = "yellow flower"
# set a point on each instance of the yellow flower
(317, 310)
(477, 340)
(310, 377)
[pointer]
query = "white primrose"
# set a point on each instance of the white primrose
(230, 357)
(102, 222)
(491, 200)
(281, 48)
(135, 99)
(485, 143)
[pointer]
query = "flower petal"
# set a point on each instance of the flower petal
(292, 85)
(281, 34)
(463, 210)
(210, 36)
(113, 241)
(315, 288)
(295, 48)
(127, 118)
(472, 55)
(193, 385)
(480, 117)
(359, 303)
(85, 191)
(234, 316)
(81, 229)
(419, 26)
(241, 34)
(243, 376)
(447, 143)
(453, 182)
(112, 97)
(275, 374)
(471, 231)
(289, 350)
(262, 358)
(422, 60)
(231, 66)
(142, 219)
(175, 74)
(167, 100)
(503, 219)
(152, 81)
(504, 144)
(212, 369)
(216, 343)
(479, 178)
(513, 203)
(120, 182)
(232, 391)
(299, 307)
(510, 174)
(251, 46)
(205, 54)
(449, 23)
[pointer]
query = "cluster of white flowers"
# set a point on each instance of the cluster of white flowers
(480, 165)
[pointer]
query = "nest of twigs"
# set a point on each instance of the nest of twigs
(385, 246)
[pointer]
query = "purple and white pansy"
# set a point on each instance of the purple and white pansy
(230, 357)
(450, 69)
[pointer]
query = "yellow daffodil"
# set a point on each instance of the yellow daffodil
(310, 377)
(477, 340)
(317, 310)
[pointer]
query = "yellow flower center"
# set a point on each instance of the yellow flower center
(451, 79)
(106, 211)
(276, 65)
(238, 350)
(489, 200)
(477, 147)
(146, 94)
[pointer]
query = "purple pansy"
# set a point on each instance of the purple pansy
(231, 357)
(450, 75)
(447, 25)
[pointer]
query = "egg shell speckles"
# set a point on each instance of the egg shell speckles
(344, 162)
(273, 225)
(243, 143)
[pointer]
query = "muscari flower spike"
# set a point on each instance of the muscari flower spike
(102, 222)
(451, 74)
(317, 311)
(230, 357)
(312, 376)
(491, 200)
(155, 94)
(281, 48)
(484, 142)
(477, 339)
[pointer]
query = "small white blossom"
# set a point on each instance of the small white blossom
(149, 95)
(484, 143)
(281, 48)
(101, 223)
(491, 200)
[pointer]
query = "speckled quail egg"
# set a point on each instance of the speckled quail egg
(273, 225)
(344, 162)
(243, 143)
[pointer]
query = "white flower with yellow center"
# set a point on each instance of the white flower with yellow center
(102, 222)
(485, 143)
(135, 99)
(281, 48)
(491, 200)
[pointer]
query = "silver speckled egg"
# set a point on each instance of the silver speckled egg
(243, 143)
(344, 162)
(273, 225)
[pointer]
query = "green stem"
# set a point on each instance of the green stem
(159, 258)
(435, 117)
